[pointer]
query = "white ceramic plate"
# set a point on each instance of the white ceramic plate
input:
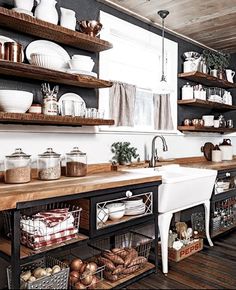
(4, 39)
(69, 97)
(82, 72)
(48, 48)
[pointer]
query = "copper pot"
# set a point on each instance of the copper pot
(13, 51)
(1, 51)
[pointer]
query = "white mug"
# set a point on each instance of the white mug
(208, 120)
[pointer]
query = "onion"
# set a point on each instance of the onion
(87, 278)
(76, 264)
(82, 269)
(92, 267)
(73, 277)
(79, 285)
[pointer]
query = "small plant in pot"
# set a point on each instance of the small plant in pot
(123, 153)
(217, 62)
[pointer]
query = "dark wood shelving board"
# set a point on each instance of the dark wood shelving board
(206, 129)
(206, 104)
(29, 71)
(207, 80)
(40, 119)
(42, 29)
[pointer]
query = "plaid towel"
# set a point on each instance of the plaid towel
(42, 244)
(33, 239)
(52, 217)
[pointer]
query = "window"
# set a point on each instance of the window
(136, 59)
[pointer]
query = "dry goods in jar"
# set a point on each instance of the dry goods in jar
(18, 175)
(50, 173)
(76, 169)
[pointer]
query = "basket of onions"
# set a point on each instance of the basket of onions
(84, 274)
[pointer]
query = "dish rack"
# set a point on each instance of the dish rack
(37, 234)
(55, 281)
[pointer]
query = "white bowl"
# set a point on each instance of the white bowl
(208, 120)
(85, 65)
(47, 61)
(13, 101)
(116, 210)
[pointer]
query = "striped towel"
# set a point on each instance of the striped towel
(52, 217)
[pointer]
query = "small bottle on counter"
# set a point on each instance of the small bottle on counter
(76, 163)
(49, 165)
(17, 167)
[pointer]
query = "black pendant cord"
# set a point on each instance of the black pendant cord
(163, 51)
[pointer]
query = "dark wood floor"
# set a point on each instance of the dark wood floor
(212, 268)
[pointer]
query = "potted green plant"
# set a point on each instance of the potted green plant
(123, 153)
(216, 61)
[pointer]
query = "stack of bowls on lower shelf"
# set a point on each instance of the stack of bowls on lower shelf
(81, 64)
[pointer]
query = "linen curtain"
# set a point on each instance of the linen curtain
(122, 103)
(162, 112)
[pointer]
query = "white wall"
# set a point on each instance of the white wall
(96, 144)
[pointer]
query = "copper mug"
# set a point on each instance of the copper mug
(13, 51)
(1, 51)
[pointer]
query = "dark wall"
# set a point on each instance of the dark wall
(89, 9)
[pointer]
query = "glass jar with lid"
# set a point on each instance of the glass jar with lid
(49, 165)
(17, 167)
(76, 163)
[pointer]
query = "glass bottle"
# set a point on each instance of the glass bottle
(17, 167)
(49, 165)
(76, 163)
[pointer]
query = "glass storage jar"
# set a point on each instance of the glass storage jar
(17, 167)
(49, 165)
(76, 163)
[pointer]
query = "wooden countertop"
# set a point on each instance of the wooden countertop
(37, 190)
(224, 165)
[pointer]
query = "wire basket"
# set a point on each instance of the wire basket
(125, 242)
(55, 281)
(46, 226)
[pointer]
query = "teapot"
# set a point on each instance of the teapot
(46, 10)
(68, 19)
(230, 75)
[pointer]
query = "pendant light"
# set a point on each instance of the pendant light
(163, 87)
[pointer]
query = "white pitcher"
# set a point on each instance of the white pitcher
(68, 19)
(230, 75)
(46, 10)
(24, 4)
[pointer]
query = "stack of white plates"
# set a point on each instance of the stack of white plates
(215, 98)
(134, 207)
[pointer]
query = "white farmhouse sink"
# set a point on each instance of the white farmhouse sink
(181, 188)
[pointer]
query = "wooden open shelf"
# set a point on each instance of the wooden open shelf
(207, 80)
(40, 119)
(5, 247)
(42, 29)
(206, 104)
(206, 129)
(29, 71)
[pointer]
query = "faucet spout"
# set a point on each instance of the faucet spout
(154, 157)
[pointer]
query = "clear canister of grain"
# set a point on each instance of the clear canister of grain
(76, 163)
(17, 167)
(49, 165)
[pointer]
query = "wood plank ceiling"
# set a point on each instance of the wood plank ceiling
(210, 22)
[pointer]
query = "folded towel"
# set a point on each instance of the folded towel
(38, 239)
(37, 246)
(52, 217)
(39, 228)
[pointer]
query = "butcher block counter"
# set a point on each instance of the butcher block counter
(38, 190)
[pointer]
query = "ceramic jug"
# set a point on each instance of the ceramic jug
(24, 4)
(68, 19)
(230, 75)
(46, 10)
